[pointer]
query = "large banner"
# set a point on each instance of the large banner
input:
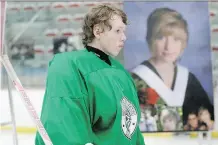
(168, 53)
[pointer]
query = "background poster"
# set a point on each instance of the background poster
(31, 52)
(157, 114)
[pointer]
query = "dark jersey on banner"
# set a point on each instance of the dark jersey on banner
(167, 109)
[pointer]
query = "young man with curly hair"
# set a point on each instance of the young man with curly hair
(90, 97)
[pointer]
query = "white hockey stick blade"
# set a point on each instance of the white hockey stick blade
(16, 82)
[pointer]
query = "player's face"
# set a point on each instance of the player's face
(112, 40)
(168, 47)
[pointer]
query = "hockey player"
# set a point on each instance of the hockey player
(90, 97)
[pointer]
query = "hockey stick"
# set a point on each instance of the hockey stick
(10, 71)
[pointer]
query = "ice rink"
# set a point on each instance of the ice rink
(6, 138)
(23, 121)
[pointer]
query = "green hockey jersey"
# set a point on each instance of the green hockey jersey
(88, 101)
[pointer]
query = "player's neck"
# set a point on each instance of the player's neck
(96, 45)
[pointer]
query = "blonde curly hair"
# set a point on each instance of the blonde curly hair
(101, 14)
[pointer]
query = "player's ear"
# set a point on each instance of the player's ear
(97, 30)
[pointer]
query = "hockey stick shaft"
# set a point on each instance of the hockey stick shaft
(25, 98)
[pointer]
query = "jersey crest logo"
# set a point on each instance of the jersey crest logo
(129, 117)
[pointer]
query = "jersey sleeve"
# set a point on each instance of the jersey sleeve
(140, 139)
(139, 85)
(64, 111)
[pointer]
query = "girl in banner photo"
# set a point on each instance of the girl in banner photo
(162, 82)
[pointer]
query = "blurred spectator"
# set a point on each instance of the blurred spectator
(15, 52)
(205, 117)
(194, 124)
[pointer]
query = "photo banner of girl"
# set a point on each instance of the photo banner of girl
(169, 57)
